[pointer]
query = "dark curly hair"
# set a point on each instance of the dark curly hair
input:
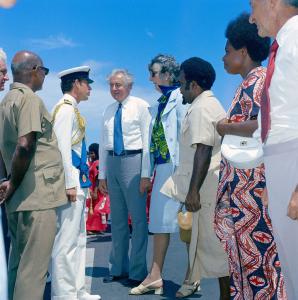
(291, 2)
(199, 70)
(240, 33)
(94, 148)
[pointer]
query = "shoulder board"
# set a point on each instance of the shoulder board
(67, 102)
(21, 90)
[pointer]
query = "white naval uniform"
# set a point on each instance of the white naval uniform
(69, 251)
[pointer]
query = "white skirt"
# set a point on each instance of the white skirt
(163, 210)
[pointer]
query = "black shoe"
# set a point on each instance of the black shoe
(132, 282)
(111, 278)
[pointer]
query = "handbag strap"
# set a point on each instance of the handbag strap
(181, 207)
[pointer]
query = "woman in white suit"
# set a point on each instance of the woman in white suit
(167, 116)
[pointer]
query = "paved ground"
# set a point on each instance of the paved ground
(174, 270)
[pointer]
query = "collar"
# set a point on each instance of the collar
(254, 70)
(202, 97)
(166, 90)
(70, 98)
(18, 85)
(290, 25)
(123, 102)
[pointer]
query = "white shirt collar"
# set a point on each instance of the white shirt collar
(202, 97)
(288, 26)
(123, 102)
(207, 93)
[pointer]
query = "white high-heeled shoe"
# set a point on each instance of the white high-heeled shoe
(187, 289)
(143, 289)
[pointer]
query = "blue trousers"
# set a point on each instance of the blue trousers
(123, 179)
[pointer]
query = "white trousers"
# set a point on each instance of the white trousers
(281, 170)
(69, 251)
(3, 266)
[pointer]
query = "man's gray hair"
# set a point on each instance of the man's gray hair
(291, 2)
(3, 55)
(128, 77)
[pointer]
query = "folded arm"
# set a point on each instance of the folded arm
(246, 128)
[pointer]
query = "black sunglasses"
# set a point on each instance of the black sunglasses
(153, 73)
(46, 70)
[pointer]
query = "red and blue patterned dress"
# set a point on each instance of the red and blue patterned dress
(241, 221)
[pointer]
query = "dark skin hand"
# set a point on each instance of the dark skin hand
(21, 160)
(201, 165)
(3, 173)
(246, 128)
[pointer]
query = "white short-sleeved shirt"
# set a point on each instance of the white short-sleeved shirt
(283, 87)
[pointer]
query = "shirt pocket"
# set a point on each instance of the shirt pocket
(47, 127)
(50, 178)
(181, 179)
(51, 174)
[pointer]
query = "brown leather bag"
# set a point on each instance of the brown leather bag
(185, 224)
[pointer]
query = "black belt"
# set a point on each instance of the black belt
(124, 152)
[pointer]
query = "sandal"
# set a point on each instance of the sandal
(144, 289)
(188, 289)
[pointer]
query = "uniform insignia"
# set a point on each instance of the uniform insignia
(67, 102)
(84, 178)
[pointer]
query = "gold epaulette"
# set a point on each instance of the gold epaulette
(67, 102)
(80, 120)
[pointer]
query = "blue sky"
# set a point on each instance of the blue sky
(108, 34)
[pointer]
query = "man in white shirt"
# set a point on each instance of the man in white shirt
(279, 128)
(69, 252)
(124, 173)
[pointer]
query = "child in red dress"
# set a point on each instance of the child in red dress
(98, 204)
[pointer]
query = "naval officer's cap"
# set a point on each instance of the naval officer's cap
(76, 73)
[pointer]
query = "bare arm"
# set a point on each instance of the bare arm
(3, 172)
(293, 205)
(246, 128)
(21, 160)
(201, 165)
(102, 186)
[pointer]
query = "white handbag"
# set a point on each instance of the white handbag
(242, 152)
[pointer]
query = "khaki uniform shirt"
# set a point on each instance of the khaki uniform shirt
(206, 255)
(43, 186)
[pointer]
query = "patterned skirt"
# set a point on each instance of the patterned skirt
(244, 228)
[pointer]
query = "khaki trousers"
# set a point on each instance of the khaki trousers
(32, 238)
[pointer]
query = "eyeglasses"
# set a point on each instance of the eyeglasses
(46, 70)
(3, 72)
(153, 73)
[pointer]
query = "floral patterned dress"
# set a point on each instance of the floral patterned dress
(241, 221)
